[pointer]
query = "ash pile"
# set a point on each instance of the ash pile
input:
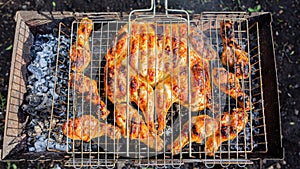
(42, 93)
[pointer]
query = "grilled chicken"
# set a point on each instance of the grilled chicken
(88, 127)
(233, 56)
(140, 91)
(228, 83)
(126, 115)
(88, 87)
(157, 49)
(175, 89)
(231, 123)
(202, 126)
(80, 53)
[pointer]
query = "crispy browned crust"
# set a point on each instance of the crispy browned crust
(88, 127)
(233, 56)
(231, 124)
(80, 53)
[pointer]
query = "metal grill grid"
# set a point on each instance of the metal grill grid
(100, 41)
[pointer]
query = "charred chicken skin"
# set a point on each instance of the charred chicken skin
(80, 53)
(228, 83)
(88, 87)
(231, 123)
(233, 56)
(88, 127)
(137, 128)
(202, 126)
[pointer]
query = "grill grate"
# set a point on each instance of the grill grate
(104, 151)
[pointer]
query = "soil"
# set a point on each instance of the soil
(286, 34)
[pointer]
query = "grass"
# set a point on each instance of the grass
(11, 165)
(257, 8)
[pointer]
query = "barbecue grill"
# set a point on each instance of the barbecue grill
(260, 138)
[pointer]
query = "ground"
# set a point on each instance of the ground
(286, 34)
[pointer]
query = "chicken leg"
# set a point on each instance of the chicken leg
(231, 123)
(80, 53)
(137, 128)
(202, 126)
(88, 127)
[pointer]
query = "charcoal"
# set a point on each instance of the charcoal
(43, 105)
(32, 68)
(61, 147)
(41, 91)
(40, 86)
(33, 100)
(31, 134)
(38, 130)
(40, 145)
(31, 149)
(43, 62)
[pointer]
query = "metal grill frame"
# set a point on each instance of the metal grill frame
(30, 20)
(204, 18)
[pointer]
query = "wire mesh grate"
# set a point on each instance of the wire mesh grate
(106, 150)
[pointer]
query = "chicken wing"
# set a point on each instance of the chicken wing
(231, 123)
(233, 56)
(88, 127)
(228, 83)
(84, 85)
(80, 53)
(137, 128)
(202, 126)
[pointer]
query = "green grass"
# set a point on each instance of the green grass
(257, 8)
(11, 165)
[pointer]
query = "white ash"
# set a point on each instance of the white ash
(38, 130)
(52, 144)
(40, 85)
(41, 92)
